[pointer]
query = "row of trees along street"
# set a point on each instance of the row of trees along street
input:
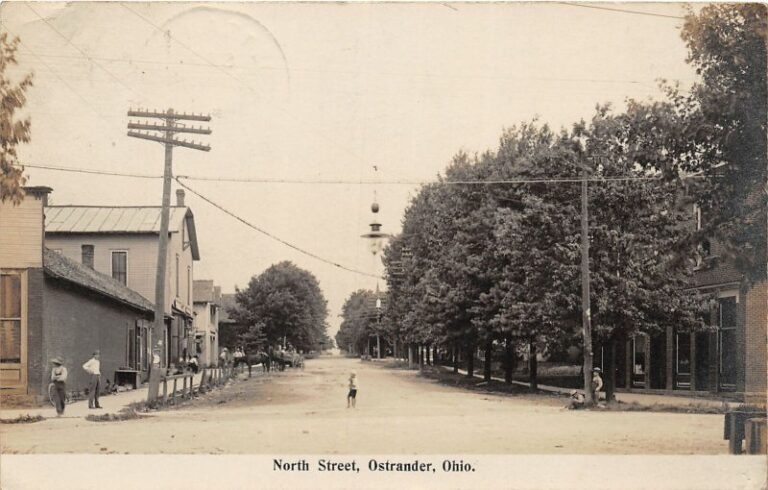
(282, 306)
(496, 265)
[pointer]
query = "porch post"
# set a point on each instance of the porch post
(671, 350)
(693, 361)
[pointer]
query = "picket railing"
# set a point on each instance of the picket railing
(209, 379)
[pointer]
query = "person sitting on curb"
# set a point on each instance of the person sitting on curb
(576, 402)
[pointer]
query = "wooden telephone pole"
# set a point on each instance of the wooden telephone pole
(164, 133)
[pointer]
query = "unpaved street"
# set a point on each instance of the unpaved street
(397, 412)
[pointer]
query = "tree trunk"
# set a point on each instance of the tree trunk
(410, 356)
(610, 372)
(488, 356)
(455, 352)
(421, 356)
(533, 366)
(427, 351)
(509, 359)
(471, 360)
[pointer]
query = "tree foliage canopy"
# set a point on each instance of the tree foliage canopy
(13, 131)
(283, 303)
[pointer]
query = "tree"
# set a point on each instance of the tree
(718, 131)
(358, 322)
(13, 131)
(283, 305)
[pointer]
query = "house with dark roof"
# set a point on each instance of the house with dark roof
(122, 242)
(52, 306)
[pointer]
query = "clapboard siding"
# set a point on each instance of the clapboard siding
(21, 233)
(142, 259)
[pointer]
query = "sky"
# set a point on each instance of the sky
(314, 93)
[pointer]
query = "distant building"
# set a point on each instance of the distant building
(230, 329)
(51, 306)
(207, 299)
(122, 242)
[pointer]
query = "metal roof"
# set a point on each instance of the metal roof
(110, 219)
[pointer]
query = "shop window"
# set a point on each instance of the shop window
(10, 318)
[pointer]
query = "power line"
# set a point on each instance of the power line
(350, 182)
(112, 75)
(623, 11)
(270, 235)
(376, 73)
(92, 171)
(66, 84)
(230, 75)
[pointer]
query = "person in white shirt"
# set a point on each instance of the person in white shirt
(59, 380)
(93, 368)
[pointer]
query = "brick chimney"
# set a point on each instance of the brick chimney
(180, 197)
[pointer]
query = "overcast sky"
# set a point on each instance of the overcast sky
(315, 92)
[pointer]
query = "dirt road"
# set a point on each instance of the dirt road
(397, 412)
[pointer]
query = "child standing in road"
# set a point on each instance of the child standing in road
(351, 397)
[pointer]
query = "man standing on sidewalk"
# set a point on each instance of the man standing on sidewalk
(93, 368)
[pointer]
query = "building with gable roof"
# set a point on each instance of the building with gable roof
(52, 306)
(122, 242)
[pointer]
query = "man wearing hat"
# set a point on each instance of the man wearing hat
(59, 380)
(93, 368)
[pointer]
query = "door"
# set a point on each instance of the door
(639, 361)
(683, 360)
(727, 358)
(13, 332)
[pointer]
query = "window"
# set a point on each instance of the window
(697, 216)
(177, 275)
(189, 285)
(120, 266)
(10, 318)
(87, 255)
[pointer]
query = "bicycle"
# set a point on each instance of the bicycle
(52, 392)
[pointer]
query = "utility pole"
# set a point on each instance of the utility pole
(149, 131)
(586, 316)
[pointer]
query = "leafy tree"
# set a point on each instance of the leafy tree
(718, 131)
(358, 322)
(283, 304)
(13, 131)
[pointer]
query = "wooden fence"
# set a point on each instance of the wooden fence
(183, 385)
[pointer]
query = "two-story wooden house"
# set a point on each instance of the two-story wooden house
(207, 298)
(122, 242)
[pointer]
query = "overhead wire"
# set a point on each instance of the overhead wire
(349, 182)
(622, 11)
(66, 84)
(76, 47)
(270, 235)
